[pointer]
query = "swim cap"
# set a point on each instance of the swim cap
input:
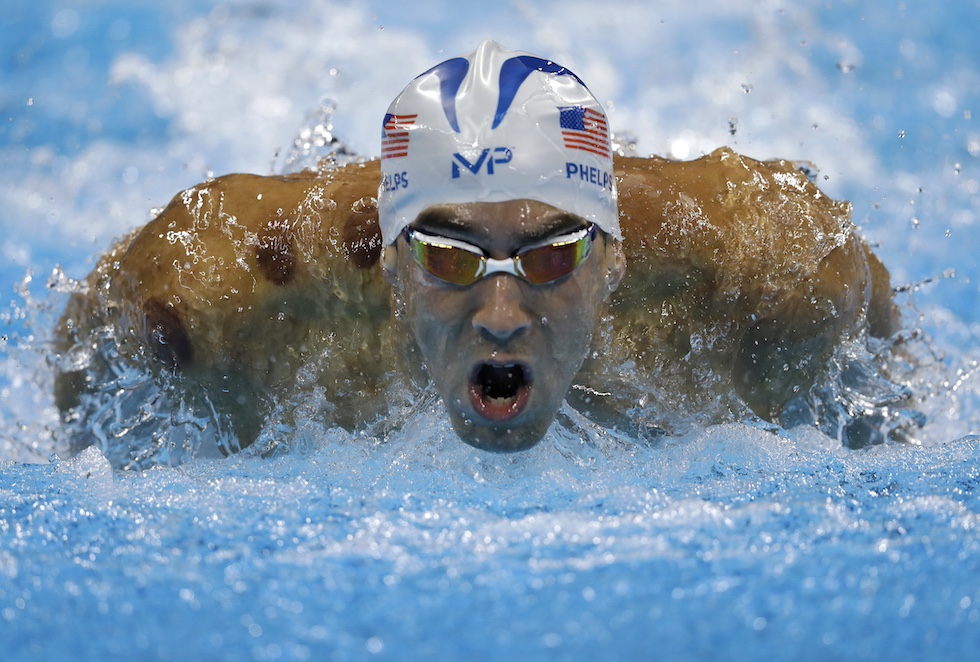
(496, 125)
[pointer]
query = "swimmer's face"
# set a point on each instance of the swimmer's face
(501, 351)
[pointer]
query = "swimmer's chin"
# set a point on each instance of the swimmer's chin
(498, 439)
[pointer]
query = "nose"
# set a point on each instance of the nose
(500, 314)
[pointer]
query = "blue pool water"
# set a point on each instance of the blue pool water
(728, 542)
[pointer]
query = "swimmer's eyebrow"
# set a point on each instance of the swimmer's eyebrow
(553, 225)
(444, 222)
(438, 221)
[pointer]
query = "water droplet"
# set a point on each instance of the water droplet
(119, 30)
(65, 23)
(367, 203)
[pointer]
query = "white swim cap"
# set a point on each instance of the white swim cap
(496, 125)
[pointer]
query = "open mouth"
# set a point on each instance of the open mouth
(499, 392)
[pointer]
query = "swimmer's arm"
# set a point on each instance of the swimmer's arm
(788, 351)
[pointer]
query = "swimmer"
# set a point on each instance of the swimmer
(509, 260)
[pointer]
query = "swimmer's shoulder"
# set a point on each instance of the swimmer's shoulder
(245, 258)
(270, 228)
(728, 213)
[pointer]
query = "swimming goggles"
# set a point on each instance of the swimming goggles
(460, 263)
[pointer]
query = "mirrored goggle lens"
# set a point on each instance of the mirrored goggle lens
(449, 263)
(548, 263)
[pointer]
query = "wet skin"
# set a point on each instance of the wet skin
(503, 352)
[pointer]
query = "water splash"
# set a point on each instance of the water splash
(316, 147)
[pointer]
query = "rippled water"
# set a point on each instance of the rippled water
(731, 541)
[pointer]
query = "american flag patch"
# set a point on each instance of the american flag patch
(585, 129)
(394, 135)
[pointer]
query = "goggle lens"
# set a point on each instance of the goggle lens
(448, 263)
(548, 263)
